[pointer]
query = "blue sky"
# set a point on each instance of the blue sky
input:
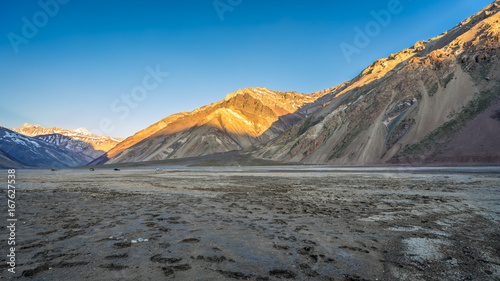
(85, 56)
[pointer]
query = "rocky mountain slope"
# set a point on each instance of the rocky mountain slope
(7, 162)
(436, 102)
(17, 150)
(87, 145)
(244, 119)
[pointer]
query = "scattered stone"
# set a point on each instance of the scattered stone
(191, 240)
(282, 273)
(121, 245)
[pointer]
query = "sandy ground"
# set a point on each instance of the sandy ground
(302, 223)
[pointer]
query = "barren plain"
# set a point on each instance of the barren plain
(257, 223)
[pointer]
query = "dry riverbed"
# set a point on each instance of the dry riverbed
(302, 223)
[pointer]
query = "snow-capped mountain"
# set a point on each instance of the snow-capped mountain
(88, 145)
(17, 150)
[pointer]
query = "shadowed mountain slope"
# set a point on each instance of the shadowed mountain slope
(31, 152)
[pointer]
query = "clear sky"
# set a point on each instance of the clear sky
(73, 65)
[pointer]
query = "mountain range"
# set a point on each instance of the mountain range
(418, 106)
(432, 103)
(80, 141)
(436, 102)
(245, 119)
(17, 150)
(36, 146)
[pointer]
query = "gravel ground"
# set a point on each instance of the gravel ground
(259, 223)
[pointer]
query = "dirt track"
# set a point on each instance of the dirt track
(257, 224)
